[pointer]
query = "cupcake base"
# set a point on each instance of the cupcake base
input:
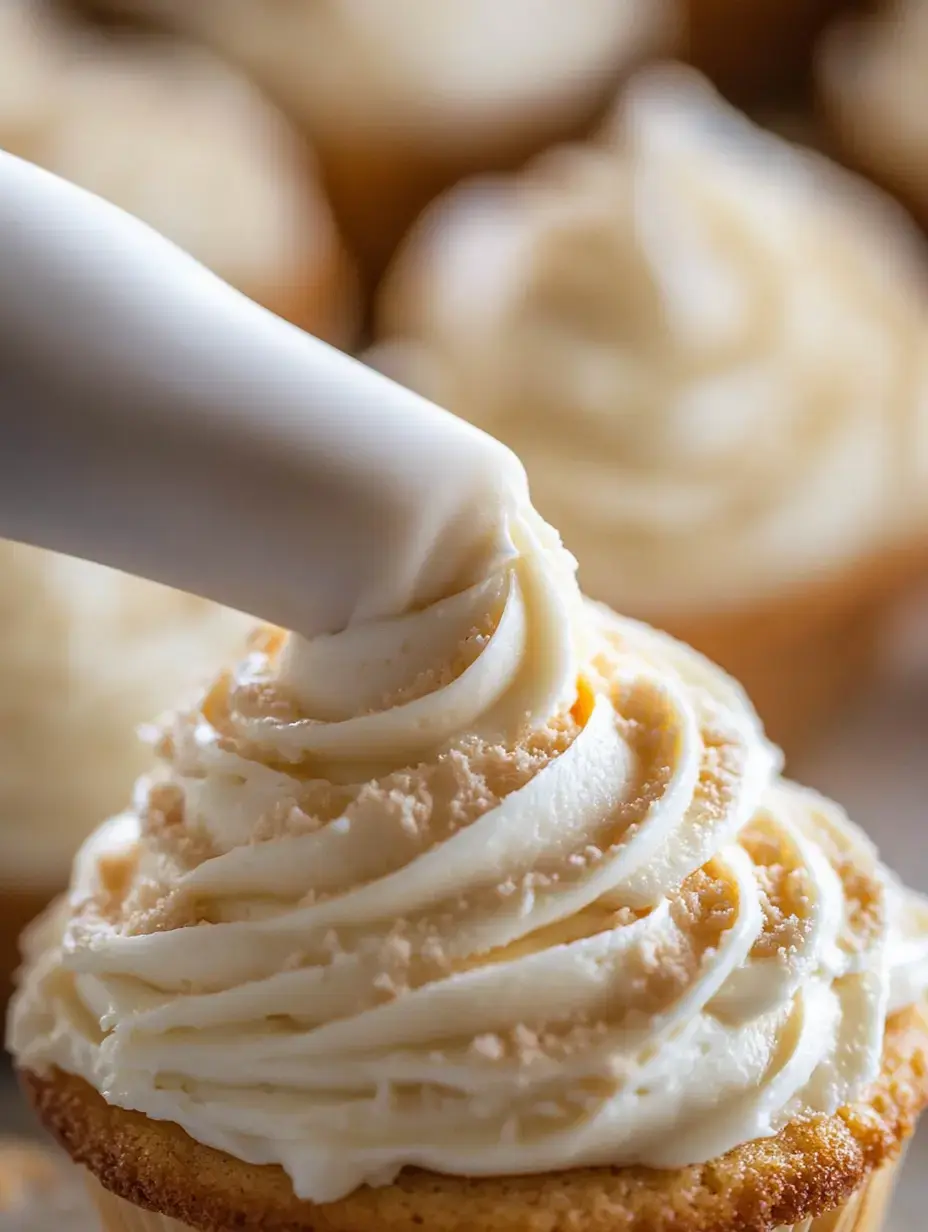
(864, 1212)
(815, 1171)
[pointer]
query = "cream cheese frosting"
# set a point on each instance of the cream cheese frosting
(706, 346)
(424, 72)
(504, 885)
(168, 133)
(86, 654)
(873, 74)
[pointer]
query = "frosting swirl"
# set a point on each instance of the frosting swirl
(705, 345)
(505, 885)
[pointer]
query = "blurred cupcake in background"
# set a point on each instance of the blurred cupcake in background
(86, 655)
(708, 347)
(172, 135)
(873, 78)
(403, 97)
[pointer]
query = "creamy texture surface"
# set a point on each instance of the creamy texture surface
(86, 654)
(873, 74)
(168, 133)
(706, 346)
(412, 70)
(507, 884)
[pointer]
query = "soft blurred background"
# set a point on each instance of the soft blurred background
(695, 300)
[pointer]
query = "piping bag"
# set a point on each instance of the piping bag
(155, 420)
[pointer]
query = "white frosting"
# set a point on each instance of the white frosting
(417, 71)
(705, 345)
(874, 78)
(502, 886)
(169, 134)
(86, 654)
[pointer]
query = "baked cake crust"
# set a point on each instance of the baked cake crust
(810, 1167)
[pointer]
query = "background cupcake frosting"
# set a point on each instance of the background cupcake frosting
(707, 347)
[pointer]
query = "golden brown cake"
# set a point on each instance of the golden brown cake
(843, 1166)
(707, 347)
(172, 135)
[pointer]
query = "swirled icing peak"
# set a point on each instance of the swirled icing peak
(508, 884)
(705, 345)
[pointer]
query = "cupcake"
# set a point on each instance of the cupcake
(403, 97)
(756, 50)
(41, 1190)
(873, 79)
(708, 348)
(172, 135)
(86, 655)
(493, 915)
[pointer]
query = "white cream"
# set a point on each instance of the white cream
(416, 72)
(705, 345)
(504, 886)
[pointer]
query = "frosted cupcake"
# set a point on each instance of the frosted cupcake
(173, 136)
(873, 76)
(403, 97)
(708, 348)
(493, 915)
(86, 654)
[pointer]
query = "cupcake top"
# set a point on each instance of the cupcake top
(504, 885)
(706, 345)
(417, 71)
(873, 74)
(86, 654)
(169, 134)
